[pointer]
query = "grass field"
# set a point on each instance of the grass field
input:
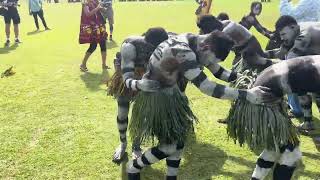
(56, 122)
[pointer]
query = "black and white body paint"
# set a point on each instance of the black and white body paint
(175, 56)
(183, 55)
(246, 45)
(301, 40)
(135, 52)
(308, 41)
(300, 75)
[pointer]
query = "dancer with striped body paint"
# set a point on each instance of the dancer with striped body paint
(299, 40)
(298, 75)
(245, 43)
(137, 60)
(170, 119)
(131, 63)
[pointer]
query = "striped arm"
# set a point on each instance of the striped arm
(128, 54)
(200, 80)
(221, 73)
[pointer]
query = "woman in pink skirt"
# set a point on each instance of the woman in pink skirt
(92, 31)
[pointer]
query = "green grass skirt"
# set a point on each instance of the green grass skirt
(164, 115)
(259, 126)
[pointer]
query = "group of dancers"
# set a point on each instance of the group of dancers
(153, 70)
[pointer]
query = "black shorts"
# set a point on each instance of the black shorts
(12, 14)
(2, 11)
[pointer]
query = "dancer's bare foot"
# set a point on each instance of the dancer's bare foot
(119, 153)
(83, 68)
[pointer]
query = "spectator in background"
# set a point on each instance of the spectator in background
(304, 11)
(35, 9)
(251, 19)
(12, 14)
(93, 31)
(107, 13)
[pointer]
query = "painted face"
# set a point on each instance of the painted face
(288, 35)
(257, 9)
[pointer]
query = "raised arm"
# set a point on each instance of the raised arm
(264, 31)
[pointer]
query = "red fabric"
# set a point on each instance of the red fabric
(92, 28)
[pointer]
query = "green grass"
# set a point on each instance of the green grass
(56, 122)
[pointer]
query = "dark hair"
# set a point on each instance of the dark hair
(284, 21)
(209, 23)
(223, 16)
(156, 35)
(220, 44)
(254, 4)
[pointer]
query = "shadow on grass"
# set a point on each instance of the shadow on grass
(199, 161)
(148, 173)
(301, 173)
(34, 32)
(111, 44)
(203, 161)
(94, 80)
(6, 50)
(124, 167)
(314, 134)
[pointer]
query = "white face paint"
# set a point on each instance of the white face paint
(288, 34)
(257, 9)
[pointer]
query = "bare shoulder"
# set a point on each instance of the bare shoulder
(128, 50)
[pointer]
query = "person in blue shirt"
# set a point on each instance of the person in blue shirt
(304, 11)
(35, 9)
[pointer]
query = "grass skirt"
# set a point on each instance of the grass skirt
(164, 115)
(116, 86)
(259, 126)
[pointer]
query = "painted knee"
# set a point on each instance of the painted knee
(290, 156)
(286, 166)
(123, 112)
(264, 164)
(173, 163)
(169, 149)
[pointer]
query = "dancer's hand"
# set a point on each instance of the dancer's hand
(260, 95)
(148, 85)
